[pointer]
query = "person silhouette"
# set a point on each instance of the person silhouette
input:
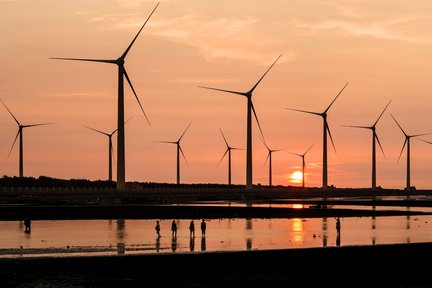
(203, 227)
(27, 224)
(192, 229)
(157, 227)
(174, 228)
(338, 226)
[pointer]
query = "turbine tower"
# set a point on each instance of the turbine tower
(227, 151)
(326, 129)
(179, 150)
(21, 144)
(110, 147)
(303, 163)
(407, 143)
(121, 174)
(250, 109)
(269, 158)
(374, 140)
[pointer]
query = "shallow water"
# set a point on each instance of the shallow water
(111, 237)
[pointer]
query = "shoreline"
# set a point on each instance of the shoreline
(384, 265)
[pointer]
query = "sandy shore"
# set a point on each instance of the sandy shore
(396, 265)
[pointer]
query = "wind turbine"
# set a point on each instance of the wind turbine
(227, 151)
(121, 184)
(374, 140)
(250, 109)
(303, 163)
(110, 147)
(407, 143)
(269, 158)
(21, 144)
(179, 150)
(326, 129)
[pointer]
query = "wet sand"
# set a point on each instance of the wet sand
(393, 265)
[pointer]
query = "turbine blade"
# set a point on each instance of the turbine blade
(166, 142)
(226, 142)
(101, 132)
(304, 111)
(400, 154)
(331, 138)
(130, 45)
(88, 60)
(398, 125)
(295, 154)
(223, 90)
(136, 96)
(34, 125)
(263, 141)
(268, 156)
(13, 144)
(417, 135)
(184, 131)
(335, 98)
(425, 141)
(256, 118)
(10, 113)
(379, 143)
(353, 126)
(381, 113)
(112, 133)
(233, 148)
(184, 157)
(253, 88)
(308, 149)
(112, 152)
(223, 156)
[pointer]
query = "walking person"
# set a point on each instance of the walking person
(157, 228)
(192, 229)
(174, 228)
(203, 227)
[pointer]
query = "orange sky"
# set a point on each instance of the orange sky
(381, 48)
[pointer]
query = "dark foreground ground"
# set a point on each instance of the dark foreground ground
(399, 265)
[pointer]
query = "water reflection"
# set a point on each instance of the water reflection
(135, 236)
(121, 236)
(203, 243)
(192, 244)
(324, 231)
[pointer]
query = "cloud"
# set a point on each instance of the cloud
(379, 30)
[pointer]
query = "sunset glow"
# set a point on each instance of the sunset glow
(297, 177)
(381, 48)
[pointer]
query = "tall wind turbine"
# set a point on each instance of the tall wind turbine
(326, 129)
(121, 184)
(110, 147)
(269, 158)
(374, 140)
(303, 163)
(407, 143)
(21, 144)
(250, 109)
(227, 151)
(179, 150)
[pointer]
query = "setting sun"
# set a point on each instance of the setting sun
(297, 177)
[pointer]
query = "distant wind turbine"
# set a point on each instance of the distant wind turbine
(21, 144)
(227, 151)
(407, 143)
(326, 129)
(374, 140)
(121, 184)
(269, 158)
(110, 147)
(250, 109)
(179, 150)
(303, 163)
